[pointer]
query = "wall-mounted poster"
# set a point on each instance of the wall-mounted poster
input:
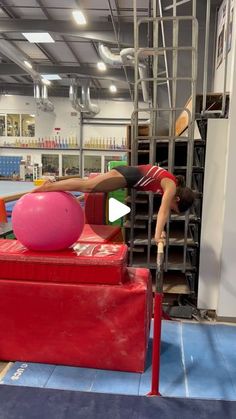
(221, 33)
(222, 42)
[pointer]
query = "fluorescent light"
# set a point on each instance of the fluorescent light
(27, 64)
(101, 66)
(7, 94)
(45, 81)
(51, 76)
(113, 88)
(79, 17)
(38, 37)
(32, 115)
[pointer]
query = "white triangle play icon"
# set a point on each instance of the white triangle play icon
(116, 210)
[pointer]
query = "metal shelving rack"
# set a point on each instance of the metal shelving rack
(182, 238)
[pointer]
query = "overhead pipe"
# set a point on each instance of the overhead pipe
(15, 55)
(41, 98)
(46, 104)
(73, 97)
(11, 52)
(108, 57)
(90, 109)
(126, 57)
(83, 104)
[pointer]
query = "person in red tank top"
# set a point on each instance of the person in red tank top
(175, 196)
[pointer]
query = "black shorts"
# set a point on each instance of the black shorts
(131, 174)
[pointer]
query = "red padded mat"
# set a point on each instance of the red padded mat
(86, 325)
(84, 263)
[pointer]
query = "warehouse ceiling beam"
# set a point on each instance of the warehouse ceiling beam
(9, 69)
(90, 31)
(60, 91)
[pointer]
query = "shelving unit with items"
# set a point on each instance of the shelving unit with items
(182, 264)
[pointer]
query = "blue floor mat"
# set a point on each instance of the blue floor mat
(197, 360)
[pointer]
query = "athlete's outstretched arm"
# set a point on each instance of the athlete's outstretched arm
(164, 210)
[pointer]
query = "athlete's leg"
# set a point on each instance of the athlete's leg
(106, 182)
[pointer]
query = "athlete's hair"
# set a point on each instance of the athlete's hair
(185, 194)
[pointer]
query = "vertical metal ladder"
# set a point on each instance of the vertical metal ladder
(157, 51)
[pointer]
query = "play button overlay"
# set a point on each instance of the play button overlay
(116, 210)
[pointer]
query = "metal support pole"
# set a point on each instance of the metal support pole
(156, 346)
(81, 145)
(205, 66)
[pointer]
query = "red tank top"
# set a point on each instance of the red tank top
(151, 180)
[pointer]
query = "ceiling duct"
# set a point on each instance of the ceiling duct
(90, 108)
(73, 96)
(41, 97)
(83, 104)
(108, 57)
(11, 52)
(15, 55)
(126, 57)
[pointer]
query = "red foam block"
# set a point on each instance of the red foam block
(85, 263)
(96, 326)
(101, 234)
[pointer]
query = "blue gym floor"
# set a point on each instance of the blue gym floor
(197, 361)
(11, 187)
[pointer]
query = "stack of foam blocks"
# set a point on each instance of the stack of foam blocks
(81, 306)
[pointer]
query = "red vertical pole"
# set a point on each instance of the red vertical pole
(156, 345)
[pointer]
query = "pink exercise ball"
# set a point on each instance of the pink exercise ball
(47, 221)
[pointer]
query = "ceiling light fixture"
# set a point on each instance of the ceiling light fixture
(28, 64)
(51, 76)
(101, 66)
(45, 81)
(79, 17)
(113, 88)
(38, 37)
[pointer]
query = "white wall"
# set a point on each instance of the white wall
(217, 282)
(212, 213)
(64, 118)
(67, 119)
(227, 287)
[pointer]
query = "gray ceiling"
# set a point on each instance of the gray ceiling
(75, 51)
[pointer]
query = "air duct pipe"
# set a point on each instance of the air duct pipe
(46, 104)
(84, 104)
(73, 96)
(42, 101)
(108, 57)
(126, 57)
(11, 52)
(89, 108)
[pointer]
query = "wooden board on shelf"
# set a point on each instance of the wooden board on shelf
(213, 103)
(175, 284)
(183, 119)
